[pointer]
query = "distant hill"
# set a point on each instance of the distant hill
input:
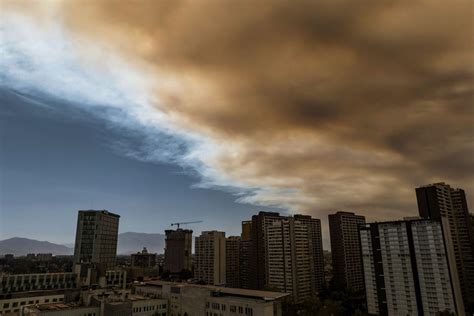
(128, 243)
(22, 246)
(133, 242)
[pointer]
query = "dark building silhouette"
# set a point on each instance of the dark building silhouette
(143, 259)
(245, 253)
(232, 261)
(440, 200)
(345, 249)
(178, 250)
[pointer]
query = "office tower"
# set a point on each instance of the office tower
(409, 269)
(210, 257)
(440, 200)
(345, 249)
(245, 253)
(96, 239)
(232, 261)
(178, 244)
(257, 261)
(289, 264)
(316, 248)
(143, 259)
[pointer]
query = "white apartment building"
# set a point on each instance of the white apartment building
(408, 269)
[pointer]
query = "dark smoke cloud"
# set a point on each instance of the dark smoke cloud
(337, 104)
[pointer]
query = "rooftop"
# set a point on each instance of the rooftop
(256, 294)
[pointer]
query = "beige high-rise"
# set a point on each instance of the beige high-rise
(289, 258)
(210, 257)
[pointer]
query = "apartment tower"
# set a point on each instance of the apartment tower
(345, 250)
(440, 200)
(289, 264)
(178, 245)
(245, 254)
(210, 257)
(409, 269)
(232, 261)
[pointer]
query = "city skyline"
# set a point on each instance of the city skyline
(155, 113)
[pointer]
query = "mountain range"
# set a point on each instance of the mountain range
(128, 243)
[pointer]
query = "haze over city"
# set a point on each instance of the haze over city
(169, 111)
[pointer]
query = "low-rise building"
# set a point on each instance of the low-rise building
(193, 299)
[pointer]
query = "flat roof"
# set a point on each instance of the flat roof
(265, 295)
(59, 306)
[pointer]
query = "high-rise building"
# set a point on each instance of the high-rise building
(289, 258)
(440, 200)
(245, 253)
(258, 255)
(409, 269)
(345, 249)
(96, 239)
(316, 248)
(178, 250)
(210, 258)
(232, 261)
(302, 255)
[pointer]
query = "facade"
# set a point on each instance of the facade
(409, 269)
(19, 290)
(289, 258)
(258, 254)
(111, 305)
(232, 261)
(261, 272)
(12, 304)
(210, 258)
(15, 283)
(143, 259)
(316, 249)
(245, 253)
(345, 250)
(192, 299)
(178, 250)
(440, 200)
(96, 239)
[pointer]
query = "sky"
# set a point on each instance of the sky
(210, 110)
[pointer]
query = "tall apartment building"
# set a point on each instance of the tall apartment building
(232, 261)
(409, 269)
(258, 254)
(262, 274)
(178, 245)
(289, 265)
(345, 249)
(316, 247)
(245, 254)
(440, 200)
(210, 257)
(96, 242)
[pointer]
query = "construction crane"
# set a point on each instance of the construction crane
(185, 223)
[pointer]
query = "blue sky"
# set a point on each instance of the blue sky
(57, 159)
